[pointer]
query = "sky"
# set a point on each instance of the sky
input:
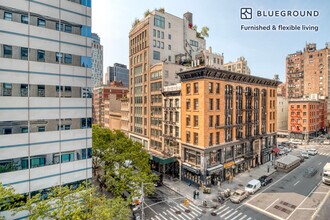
(265, 51)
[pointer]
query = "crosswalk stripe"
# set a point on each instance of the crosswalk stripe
(242, 217)
(171, 218)
(221, 207)
(249, 218)
(162, 216)
(226, 213)
(152, 218)
(223, 210)
(196, 207)
(192, 212)
(183, 210)
(164, 213)
(231, 214)
(158, 217)
(236, 216)
(174, 216)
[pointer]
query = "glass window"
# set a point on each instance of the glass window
(196, 138)
(156, 55)
(58, 57)
(211, 104)
(195, 120)
(169, 36)
(195, 87)
(158, 34)
(67, 157)
(210, 87)
(162, 34)
(169, 47)
(7, 89)
(68, 58)
(188, 90)
(155, 43)
(86, 62)
(8, 16)
(41, 90)
(169, 24)
(68, 28)
(7, 51)
(217, 88)
(24, 19)
(24, 130)
(162, 45)
(38, 161)
(42, 129)
(41, 22)
(67, 88)
(24, 53)
(159, 21)
(154, 33)
(7, 131)
(24, 90)
(58, 26)
(41, 55)
(195, 104)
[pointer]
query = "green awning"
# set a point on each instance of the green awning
(162, 160)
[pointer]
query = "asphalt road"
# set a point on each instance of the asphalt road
(294, 195)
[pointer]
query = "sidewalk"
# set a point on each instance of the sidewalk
(239, 181)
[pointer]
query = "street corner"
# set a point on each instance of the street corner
(302, 214)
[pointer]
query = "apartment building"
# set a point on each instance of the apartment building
(97, 61)
(159, 44)
(228, 123)
(112, 112)
(240, 66)
(124, 109)
(208, 58)
(282, 111)
(307, 117)
(45, 98)
(102, 102)
(307, 72)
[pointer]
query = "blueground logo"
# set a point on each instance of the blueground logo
(246, 13)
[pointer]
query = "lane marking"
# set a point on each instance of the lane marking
(226, 213)
(243, 217)
(265, 212)
(320, 163)
(236, 216)
(270, 185)
(158, 217)
(221, 207)
(304, 200)
(231, 215)
(321, 204)
(306, 208)
(174, 216)
(296, 183)
(222, 210)
(272, 204)
(249, 218)
(196, 207)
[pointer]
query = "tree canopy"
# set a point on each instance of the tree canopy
(125, 163)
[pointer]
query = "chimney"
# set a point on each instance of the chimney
(189, 17)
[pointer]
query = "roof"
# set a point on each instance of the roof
(254, 181)
(289, 159)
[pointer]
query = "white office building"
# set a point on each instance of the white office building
(97, 61)
(45, 100)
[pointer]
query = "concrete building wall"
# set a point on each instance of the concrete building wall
(66, 107)
(282, 113)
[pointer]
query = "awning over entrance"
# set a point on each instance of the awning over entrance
(238, 161)
(163, 160)
(229, 164)
(190, 168)
(276, 150)
(214, 169)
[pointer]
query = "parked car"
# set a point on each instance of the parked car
(265, 180)
(287, 150)
(304, 154)
(302, 159)
(312, 151)
(253, 186)
(281, 152)
(238, 196)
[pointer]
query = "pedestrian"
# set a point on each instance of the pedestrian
(197, 194)
(194, 194)
(189, 182)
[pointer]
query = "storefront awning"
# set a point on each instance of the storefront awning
(163, 160)
(214, 169)
(276, 150)
(238, 161)
(190, 168)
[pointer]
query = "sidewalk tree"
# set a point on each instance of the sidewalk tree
(9, 198)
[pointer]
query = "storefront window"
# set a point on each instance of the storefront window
(229, 153)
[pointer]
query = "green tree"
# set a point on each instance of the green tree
(135, 22)
(146, 13)
(126, 163)
(205, 32)
(9, 198)
(65, 203)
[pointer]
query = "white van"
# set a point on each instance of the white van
(304, 154)
(253, 186)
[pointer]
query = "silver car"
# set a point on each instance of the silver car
(238, 196)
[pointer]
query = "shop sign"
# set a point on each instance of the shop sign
(229, 164)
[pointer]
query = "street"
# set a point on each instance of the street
(294, 195)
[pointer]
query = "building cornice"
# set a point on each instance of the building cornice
(224, 75)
